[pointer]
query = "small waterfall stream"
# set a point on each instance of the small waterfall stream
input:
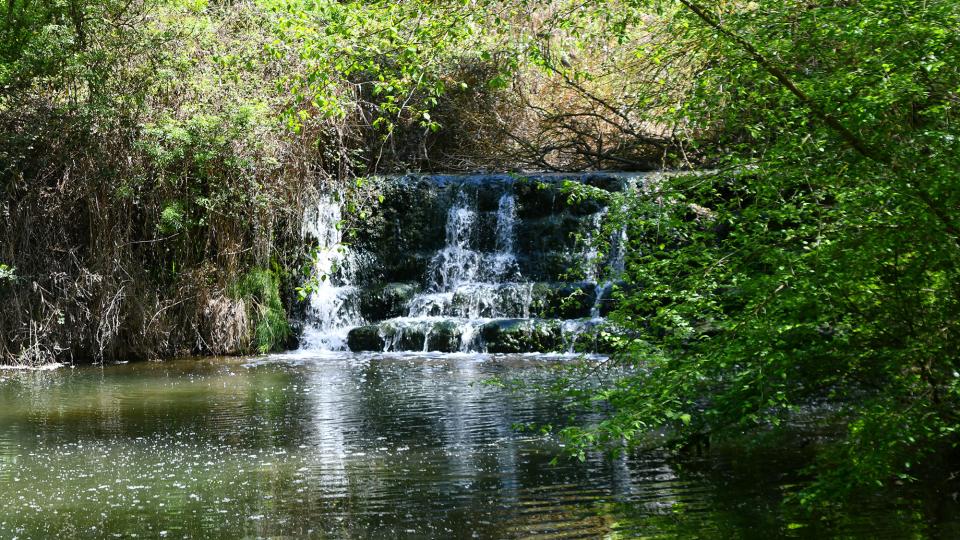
(332, 309)
(495, 281)
(468, 288)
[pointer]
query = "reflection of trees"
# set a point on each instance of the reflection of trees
(737, 492)
(200, 399)
(358, 448)
(280, 407)
(9, 451)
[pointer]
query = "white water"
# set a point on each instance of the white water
(468, 287)
(471, 284)
(333, 304)
(42, 367)
(475, 300)
(601, 272)
(460, 265)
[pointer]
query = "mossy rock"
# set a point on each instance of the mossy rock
(586, 207)
(403, 337)
(365, 338)
(536, 200)
(556, 232)
(444, 337)
(402, 266)
(410, 218)
(521, 335)
(549, 266)
(605, 182)
(489, 194)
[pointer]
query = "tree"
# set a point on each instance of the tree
(819, 260)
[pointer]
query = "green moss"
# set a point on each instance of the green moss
(260, 290)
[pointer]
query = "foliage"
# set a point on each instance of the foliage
(7, 273)
(819, 260)
(388, 51)
(409, 73)
(152, 152)
(169, 146)
(261, 288)
(141, 139)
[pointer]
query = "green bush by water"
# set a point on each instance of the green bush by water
(260, 290)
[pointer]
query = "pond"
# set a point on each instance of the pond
(352, 446)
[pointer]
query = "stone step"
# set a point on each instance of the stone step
(480, 335)
(553, 263)
(556, 300)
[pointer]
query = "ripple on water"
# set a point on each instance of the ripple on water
(328, 446)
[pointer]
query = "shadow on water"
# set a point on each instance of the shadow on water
(348, 446)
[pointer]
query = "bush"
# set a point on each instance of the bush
(260, 290)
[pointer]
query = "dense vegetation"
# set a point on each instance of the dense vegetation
(156, 155)
(818, 262)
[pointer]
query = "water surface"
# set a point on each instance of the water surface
(353, 446)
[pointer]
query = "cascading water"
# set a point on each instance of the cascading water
(591, 254)
(456, 263)
(618, 252)
(505, 260)
(468, 287)
(332, 308)
(594, 270)
(466, 264)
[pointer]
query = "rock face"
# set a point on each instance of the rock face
(429, 336)
(445, 337)
(496, 263)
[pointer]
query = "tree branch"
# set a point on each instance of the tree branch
(856, 142)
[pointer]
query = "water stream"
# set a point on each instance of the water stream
(465, 286)
(333, 298)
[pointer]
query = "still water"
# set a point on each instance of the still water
(355, 446)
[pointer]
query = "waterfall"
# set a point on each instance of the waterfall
(468, 286)
(468, 283)
(456, 263)
(618, 252)
(332, 304)
(465, 263)
(506, 223)
(505, 260)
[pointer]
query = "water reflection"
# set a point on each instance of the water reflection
(343, 447)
